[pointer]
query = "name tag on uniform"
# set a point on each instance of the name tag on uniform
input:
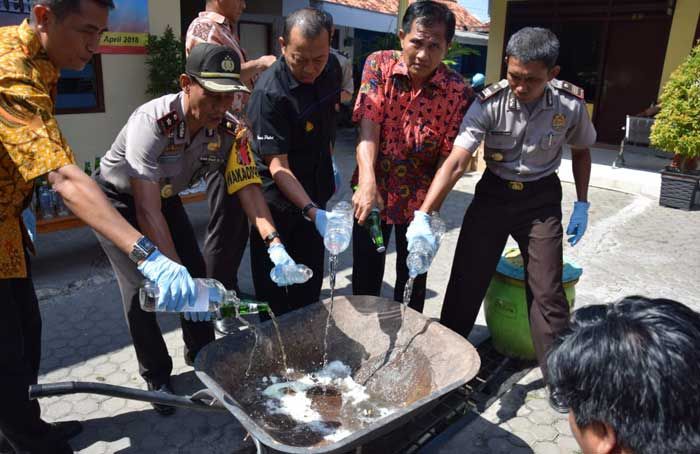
(499, 133)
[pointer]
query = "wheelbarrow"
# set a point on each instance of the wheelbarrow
(405, 358)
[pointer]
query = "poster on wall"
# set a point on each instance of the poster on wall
(128, 28)
(128, 24)
(13, 12)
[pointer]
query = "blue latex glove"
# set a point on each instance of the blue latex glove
(278, 256)
(322, 218)
(420, 227)
(578, 222)
(29, 220)
(337, 176)
(176, 288)
(197, 316)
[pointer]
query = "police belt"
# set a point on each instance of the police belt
(519, 186)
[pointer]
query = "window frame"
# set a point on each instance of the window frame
(99, 93)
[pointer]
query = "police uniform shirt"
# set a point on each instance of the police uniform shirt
(155, 145)
(297, 120)
(520, 145)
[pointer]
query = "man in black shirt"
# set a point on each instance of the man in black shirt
(292, 113)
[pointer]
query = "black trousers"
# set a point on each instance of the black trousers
(305, 245)
(155, 364)
(227, 233)
(533, 217)
(20, 352)
(368, 265)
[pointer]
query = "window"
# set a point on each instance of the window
(78, 91)
(81, 91)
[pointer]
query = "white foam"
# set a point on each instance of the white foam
(289, 398)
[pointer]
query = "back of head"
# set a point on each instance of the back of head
(62, 8)
(632, 365)
(531, 44)
(310, 21)
(429, 13)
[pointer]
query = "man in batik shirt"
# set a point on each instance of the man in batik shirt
(61, 34)
(409, 106)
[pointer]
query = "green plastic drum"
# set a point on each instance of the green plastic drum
(505, 305)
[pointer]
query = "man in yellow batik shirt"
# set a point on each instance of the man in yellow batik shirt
(60, 34)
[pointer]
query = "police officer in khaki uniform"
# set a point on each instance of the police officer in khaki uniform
(167, 145)
(525, 121)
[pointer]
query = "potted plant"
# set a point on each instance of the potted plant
(165, 61)
(676, 129)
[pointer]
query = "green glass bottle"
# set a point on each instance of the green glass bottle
(97, 163)
(88, 168)
(374, 225)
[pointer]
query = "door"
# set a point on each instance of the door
(255, 39)
(189, 10)
(633, 63)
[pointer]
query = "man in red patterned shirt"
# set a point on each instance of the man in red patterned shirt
(227, 231)
(410, 106)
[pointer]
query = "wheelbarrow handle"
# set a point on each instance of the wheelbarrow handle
(201, 400)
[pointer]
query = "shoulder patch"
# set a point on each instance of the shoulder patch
(167, 122)
(568, 87)
(491, 90)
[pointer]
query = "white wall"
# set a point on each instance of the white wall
(124, 79)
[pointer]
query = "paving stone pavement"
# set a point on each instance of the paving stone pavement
(632, 246)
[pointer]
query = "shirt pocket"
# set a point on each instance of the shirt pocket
(498, 147)
(551, 141)
(428, 142)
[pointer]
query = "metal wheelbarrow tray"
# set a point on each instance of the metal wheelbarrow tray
(403, 357)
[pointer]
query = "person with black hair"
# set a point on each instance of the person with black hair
(627, 375)
(524, 121)
(60, 34)
(292, 117)
(409, 107)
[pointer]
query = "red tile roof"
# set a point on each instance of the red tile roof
(465, 20)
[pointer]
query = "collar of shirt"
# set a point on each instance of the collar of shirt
(216, 17)
(437, 81)
(291, 82)
(31, 46)
(546, 102)
(182, 132)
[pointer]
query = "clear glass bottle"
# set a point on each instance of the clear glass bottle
(339, 229)
(211, 296)
(421, 255)
(291, 274)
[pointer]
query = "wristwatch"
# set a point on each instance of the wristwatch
(142, 249)
(268, 239)
(306, 209)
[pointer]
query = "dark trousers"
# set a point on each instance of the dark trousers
(533, 217)
(20, 352)
(155, 364)
(304, 244)
(227, 233)
(368, 265)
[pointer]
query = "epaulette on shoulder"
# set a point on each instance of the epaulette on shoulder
(491, 90)
(568, 87)
(167, 122)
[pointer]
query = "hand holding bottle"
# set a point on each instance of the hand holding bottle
(176, 287)
(423, 242)
(286, 271)
(420, 227)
